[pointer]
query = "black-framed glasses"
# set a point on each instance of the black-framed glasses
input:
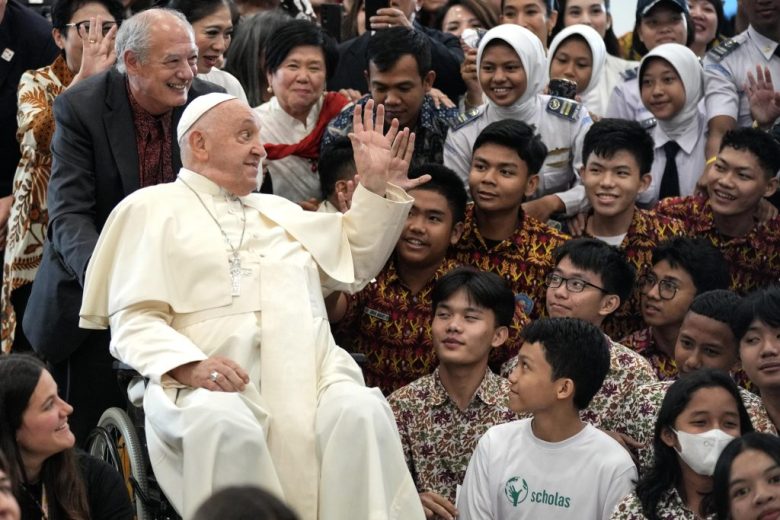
(575, 285)
(83, 27)
(667, 289)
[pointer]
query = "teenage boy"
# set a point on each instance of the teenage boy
(441, 416)
(336, 168)
(497, 235)
(756, 325)
(706, 340)
(682, 268)
(389, 320)
(553, 465)
(618, 157)
(589, 281)
(399, 77)
(744, 172)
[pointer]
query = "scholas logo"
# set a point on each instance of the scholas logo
(517, 491)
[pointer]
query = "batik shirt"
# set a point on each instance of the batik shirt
(670, 507)
(430, 133)
(437, 436)
(391, 326)
(643, 342)
(29, 213)
(639, 411)
(754, 259)
(646, 230)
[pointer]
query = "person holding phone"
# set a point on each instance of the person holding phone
(577, 55)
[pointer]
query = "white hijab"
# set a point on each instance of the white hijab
(688, 67)
(531, 53)
(598, 52)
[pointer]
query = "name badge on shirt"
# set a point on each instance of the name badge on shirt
(376, 314)
(7, 54)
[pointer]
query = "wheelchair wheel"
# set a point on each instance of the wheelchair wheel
(116, 441)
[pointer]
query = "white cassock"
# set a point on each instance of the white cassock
(305, 427)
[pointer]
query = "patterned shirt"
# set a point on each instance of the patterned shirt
(153, 142)
(29, 215)
(643, 342)
(430, 133)
(639, 411)
(754, 259)
(437, 436)
(646, 230)
(670, 507)
(392, 327)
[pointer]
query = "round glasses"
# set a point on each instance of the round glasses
(667, 289)
(575, 285)
(83, 27)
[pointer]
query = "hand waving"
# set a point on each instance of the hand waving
(98, 52)
(764, 100)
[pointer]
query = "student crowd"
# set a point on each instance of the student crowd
(578, 318)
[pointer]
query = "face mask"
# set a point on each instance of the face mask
(700, 451)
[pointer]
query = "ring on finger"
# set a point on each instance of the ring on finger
(214, 376)
(92, 41)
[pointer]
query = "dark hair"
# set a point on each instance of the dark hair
(550, 6)
(518, 136)
(60, 473)
(245, 58)
(759, 143)
(699, 258)
(722, 27)
(610, 40)
(763, 442)
(641, 49)
(484, 289)
(762, 305)
(297, 33)
(718, 305)
(665, 473)
(609, 262)
(388, 46)
(243, 503)
(482, 10)
(575, 349)
(195, 10)
(337, 163)
(608, 136)
(62, 11)
(349, 25)
(446, 183)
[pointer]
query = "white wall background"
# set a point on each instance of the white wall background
(623, 15)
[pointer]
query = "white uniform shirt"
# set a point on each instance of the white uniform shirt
(725, 78)
(515, 475)
(597, 100)
(626, 101)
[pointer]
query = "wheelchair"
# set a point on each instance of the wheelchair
(119, 440)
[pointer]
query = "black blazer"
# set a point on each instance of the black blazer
(94, 166)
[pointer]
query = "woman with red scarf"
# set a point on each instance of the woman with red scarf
(298, 58)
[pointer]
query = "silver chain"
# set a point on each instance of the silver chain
(221, 230)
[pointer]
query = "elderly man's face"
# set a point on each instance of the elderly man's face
(162, 80)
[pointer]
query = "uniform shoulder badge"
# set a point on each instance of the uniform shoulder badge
(648, 123)
(629, 74)
(724, 49)
(465, 118)
(565, 108)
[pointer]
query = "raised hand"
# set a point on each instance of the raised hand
(98, 52)
(372, 147)
(764, 100)
(398, 168)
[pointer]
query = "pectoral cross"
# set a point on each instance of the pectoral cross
(235, 274)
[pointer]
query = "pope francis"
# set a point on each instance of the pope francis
(215, 294)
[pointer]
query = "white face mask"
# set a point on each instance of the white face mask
(700, 451)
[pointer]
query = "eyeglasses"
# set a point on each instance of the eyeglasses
(83, 27)
(667, 289)
(575, 285)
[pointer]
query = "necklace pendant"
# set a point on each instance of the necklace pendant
(235, 275)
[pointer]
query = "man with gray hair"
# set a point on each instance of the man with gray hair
(114, 134)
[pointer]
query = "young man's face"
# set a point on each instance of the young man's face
(400, 89)
(429, 230)
(531, 14)
(737, 183)
(666, 295)
(705, 343)
(502, 75)
(499, 179)
(463, 333)
(531, 384)
(613, 184)
(759, 350)
(591, 305)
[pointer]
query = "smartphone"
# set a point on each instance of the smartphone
(563, 88)
(330, 19)
(372, 6)
(472, 37)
